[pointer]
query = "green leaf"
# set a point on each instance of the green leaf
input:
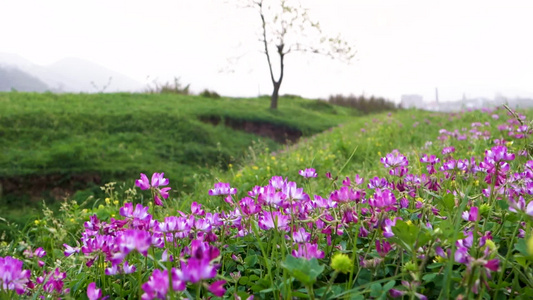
(254, 277)
(302, 269)
(429, 277)
(256, 288)
(449, 202)
(250, 260)
(375, 289)
(435, 266)
(405, 234)
(242, 294)
(423, 238)
(243, 280)
(503, 204)
(521, 247)
(521, 260)
(389, 285)
(103, 214)
(300, 295)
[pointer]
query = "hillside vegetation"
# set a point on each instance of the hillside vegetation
(408, 205)
(356, 147)
(55, 144)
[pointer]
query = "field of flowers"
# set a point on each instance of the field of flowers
(409, 205)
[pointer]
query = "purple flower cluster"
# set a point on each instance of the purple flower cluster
(157, 181)
(12, 276)
(396, 163)
(138, 232)
(197, 268)
(308, 173)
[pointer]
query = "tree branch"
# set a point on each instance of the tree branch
(265, 42)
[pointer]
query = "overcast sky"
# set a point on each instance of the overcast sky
(404, 47)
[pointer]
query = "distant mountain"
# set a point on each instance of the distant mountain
(86, 76)
(73, 75)
(14, 78)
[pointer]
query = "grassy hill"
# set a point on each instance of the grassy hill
(410, 227)
(55, 144)
(356, 147)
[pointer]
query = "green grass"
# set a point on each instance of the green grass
(430, 220)
(117, 136)
(356, 147)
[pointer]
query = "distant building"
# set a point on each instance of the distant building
(416, 101)
(412, 101)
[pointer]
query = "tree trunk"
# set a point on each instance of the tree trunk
(275, 95)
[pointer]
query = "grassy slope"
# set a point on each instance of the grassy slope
(369, 138)
(119, 135)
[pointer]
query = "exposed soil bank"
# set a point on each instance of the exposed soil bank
(279, 133)
(57, 186)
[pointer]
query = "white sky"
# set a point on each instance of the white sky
(404, 47)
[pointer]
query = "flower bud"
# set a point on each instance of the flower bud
(341, 263)
(484, 209)
(410, 266)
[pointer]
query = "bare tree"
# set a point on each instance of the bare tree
(287, 28)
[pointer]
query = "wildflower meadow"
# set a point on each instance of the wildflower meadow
(348, 214)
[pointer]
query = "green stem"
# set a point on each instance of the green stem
(504, 263)
(448, 273)
(349, 159)
(309, 288)
(330, 283)
(364, 257)
(198, 290)
(267, 263)
(364, 286)
(140, 291)
(470, 282)
(491, 198)
(354, 257)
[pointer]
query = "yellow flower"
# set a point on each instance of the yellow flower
(107, 201)
(72, 220)
(37, 222)
(255, 168)
(341, 263)
(379, 153)
(453, 183)
(273, 157)
(409, 222)
(230, 166)
(115, 202)
(439, 259)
